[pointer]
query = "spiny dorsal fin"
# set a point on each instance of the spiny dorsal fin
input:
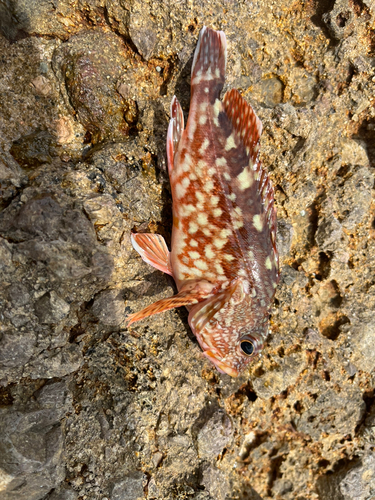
(248, 128)
(244, 121)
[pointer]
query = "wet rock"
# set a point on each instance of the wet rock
(284, 236)
(352, 198)
(18, 294)
(144, 398)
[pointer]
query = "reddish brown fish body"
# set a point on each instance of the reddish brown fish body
(223, 258)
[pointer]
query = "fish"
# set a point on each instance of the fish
(223, 257)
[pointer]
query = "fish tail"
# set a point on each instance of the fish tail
(210, 60)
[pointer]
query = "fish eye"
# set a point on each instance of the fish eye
(247, 347)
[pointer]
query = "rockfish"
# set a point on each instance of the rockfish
(224, 258)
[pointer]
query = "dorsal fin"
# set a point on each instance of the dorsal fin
(248, 128)
(244, 121)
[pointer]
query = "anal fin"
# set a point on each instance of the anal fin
(185, 297)
(153, 250)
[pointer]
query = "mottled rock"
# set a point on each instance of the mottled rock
(333, 413)
(215, 482)
(90, 66)
(214, 435)
(31, 445)
(329, 233)
(109, 307)
(51, 308)
(359, 483)
(130, 488)
(16, 348)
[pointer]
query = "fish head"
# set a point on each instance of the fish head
(231, 332)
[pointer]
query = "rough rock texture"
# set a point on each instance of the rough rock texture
(93, 410)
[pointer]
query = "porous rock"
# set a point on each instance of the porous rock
(91, 409)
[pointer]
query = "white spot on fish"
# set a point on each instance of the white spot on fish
(194, 255)
(214, 200)
(231, 197)
(185, 182)
(187, 210)
(224, 233)
(209, 253)
(238, 224)
(193, 243)
(217, 212)
(228, 256)
(201, 264)
(207, 90)
(202, 219)
(202, 119)
(208, 186)
(204, 146)
(221, 162)
(268, 263)
(258, 224)
(245, 179)
(219, 269)
(200, 196)
(217, 73)
(201, 165)
(196, 271)
(193, 227)
(186, 165)
(180, 190)
(219, 243)
(230, 144)
(217, 107)
(206, 232)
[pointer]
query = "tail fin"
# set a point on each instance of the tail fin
(210, 58)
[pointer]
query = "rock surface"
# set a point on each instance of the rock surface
(93, 410)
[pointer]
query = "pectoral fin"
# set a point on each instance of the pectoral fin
(185, 297)
(153, 250)
(201, 314)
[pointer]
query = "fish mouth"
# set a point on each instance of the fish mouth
(220, 365)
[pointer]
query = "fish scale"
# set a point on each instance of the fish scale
(224, 257)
